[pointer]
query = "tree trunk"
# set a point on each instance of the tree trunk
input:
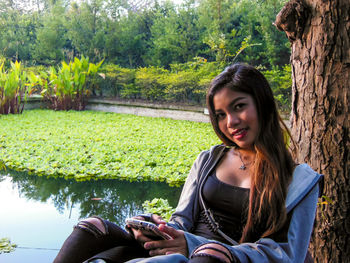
(319, 32)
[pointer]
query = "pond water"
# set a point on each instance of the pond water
(38, 213)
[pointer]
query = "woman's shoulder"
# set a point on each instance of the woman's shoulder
(304, 175)
(303, 181)
(214, 152)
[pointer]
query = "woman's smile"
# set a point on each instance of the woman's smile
(239, 133)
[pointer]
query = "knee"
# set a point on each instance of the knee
(214, 249)
(94, 225)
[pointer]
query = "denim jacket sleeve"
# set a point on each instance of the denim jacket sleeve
(186, 211)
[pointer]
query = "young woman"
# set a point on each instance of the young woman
(243, 201)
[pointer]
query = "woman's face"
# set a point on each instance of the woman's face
(237, 117)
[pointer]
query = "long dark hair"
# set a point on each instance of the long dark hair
(273, 166)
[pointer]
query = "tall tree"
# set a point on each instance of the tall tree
(175, 35)
(86, 29)
(275, 48)
(319, 32)
(51, 37)
(17, 34)
(126, 41)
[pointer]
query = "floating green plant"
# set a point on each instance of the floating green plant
(97, 145)
(159, 206)
(6, 246)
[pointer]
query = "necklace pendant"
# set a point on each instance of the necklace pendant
(243, 167)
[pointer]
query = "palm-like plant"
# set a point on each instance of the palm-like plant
(15, 86)
(66, 88)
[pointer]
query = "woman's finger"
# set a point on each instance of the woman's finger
(139, 236)
(176, 245)
(170, 231)
(158, 219)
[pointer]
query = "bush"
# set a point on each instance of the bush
(179, 86)
(185, 82)
(118, 82)
(149, 81)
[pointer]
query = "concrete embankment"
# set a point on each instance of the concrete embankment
(173, 111)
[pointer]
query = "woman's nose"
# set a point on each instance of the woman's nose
(232, 120)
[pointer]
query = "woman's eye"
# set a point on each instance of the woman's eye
(239, 106)
(220, 116)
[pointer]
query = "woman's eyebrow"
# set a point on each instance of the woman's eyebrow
(236, 100)
(231, 103)
(218, 111)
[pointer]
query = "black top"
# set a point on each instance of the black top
(229, 205)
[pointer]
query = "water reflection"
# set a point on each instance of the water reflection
(38, 213)
(111, 199)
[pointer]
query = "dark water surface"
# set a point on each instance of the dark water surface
(38, 213)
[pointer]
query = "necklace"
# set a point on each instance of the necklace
(243, 166)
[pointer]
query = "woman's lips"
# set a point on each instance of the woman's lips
(239, 134)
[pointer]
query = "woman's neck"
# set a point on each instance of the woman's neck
(247, 155)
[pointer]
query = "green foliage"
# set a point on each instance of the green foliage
(281, 84)
(85, 28)
(226, 25)
(2, 165)
(188, 82)
(219, 45)
(118, 82)
(95, 145)
(160, 207)
(149, 82)
(276, 47)
(134, 35)
(66, 88)
(15, 86)
(51, 38)
(175, 35)
(127, 41)
(6, 246)
(323, 202)
(184, 82)
(17, 33)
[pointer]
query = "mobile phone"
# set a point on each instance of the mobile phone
(147, 228)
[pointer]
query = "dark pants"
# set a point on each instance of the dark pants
(87, 242)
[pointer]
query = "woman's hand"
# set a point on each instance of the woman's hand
(165, 247)
(139, 236)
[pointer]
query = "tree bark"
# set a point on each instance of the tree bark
(319, 33)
